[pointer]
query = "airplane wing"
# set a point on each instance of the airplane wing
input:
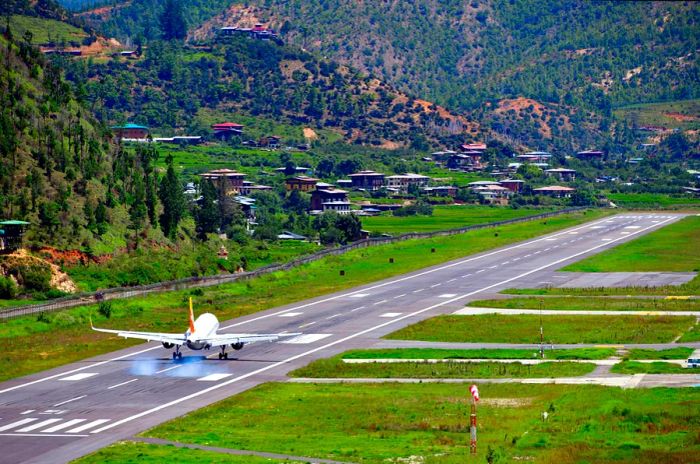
(176, 339)
(229, 339)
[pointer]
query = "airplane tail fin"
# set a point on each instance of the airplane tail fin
(191, 317)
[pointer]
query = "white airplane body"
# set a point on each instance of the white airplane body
(201, 335)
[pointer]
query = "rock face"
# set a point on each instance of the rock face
(17, 264)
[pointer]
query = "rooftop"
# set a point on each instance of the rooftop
(366, 173)
(129, 126)
(554, 188)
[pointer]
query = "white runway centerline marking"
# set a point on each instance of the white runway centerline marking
(120, 384)
(68, 401)
(419, 290)
(168, 369)
(435, 285)
(307, 324)
(87, 426)
(350, 337)
(81, 376)
(290, 314)
(64, 425)
(399, 296)
(356, 309)
(380, 302)
(334, 316)
(213, 377)
(447, 295)
(357, 295)
(390, 314)
(305, 339)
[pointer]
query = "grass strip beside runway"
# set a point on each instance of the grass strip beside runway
(495, 328)
(380, 423)
(660, 367)
(335, 368)
(572, 303)
(672, 353)
(130, 452)
(497, 353)
(71, 340)
(672, 248)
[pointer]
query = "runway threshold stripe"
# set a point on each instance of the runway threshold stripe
(40, 435)
(18, 423)
(120, 384)
(87, 426)
(64, 425)
(38, 425)
(349, 337)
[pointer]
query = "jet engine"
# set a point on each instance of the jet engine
(237, 346)
(168, 345)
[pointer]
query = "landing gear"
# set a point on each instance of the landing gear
(177, 355)
(223, 354)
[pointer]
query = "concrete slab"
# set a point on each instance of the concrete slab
(622, 279)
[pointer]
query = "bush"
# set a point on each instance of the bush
(35, 278)
(8, 288)
(105, 309)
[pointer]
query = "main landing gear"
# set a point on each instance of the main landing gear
(177, 355)
(223, 354)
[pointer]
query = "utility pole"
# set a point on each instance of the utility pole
(472, 422)
(541, 331)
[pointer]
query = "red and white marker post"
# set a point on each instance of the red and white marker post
(472, 428)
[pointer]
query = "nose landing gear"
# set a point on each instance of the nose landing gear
(177, 355)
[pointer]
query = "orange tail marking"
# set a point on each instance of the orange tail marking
(191, 317)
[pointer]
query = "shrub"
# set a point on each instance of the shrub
(35, 278)
(8, 288)
(105, 309)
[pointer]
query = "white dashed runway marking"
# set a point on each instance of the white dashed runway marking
(305, 339)
(213, 377)
(390, 314)
(447, 295)
(359, 295)
(290, 314)
(81, 376)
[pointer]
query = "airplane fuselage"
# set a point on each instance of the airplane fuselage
(205, 327)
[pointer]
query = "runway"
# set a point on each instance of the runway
(64, 413)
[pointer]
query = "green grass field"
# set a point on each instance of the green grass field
(671, 248)
(437, 353)
(46, 30)
(166, 312)
(575, 303)
(557, 329)
(680, 114)
(131, 452)
(660, 367)
(335, 368)
(671, 353)
(380, 423)
(653, 200)
(444, 217)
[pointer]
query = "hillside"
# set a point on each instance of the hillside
(577, 59)
(185, 88)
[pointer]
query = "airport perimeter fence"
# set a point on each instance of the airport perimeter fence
(210, 281)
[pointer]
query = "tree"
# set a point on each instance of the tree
(172, 21)
(138, 210)
(173, 200)
(206, 215)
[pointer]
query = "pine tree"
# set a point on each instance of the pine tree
(173, 200)
(207, 214)
(172, 21)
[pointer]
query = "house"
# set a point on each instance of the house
(493, 193)
(11, 233)
(369, 180)
(249, 187)
(247, 205)
(226, 130)
(534, 157)
(555, 191)
(297, 170)
(330, 199)
(381, 207)
(514, 185)
(180, 139)
(287, 235)
(482, 183)
(227, 181)
(401, 182)
(467, 161)
(563, 174)
(130, 131)
(257, 32)
(302, 183)
(441, 191)
(269, 141)
(590, 154)
(345, 183)
(477, 146)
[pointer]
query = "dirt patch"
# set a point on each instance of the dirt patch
(59, 279)
(680, 117)
(310, 134)
(389, 145)
(507, 402)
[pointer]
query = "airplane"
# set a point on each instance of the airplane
(201, 335)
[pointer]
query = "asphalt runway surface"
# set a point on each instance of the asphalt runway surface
(61, 414)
